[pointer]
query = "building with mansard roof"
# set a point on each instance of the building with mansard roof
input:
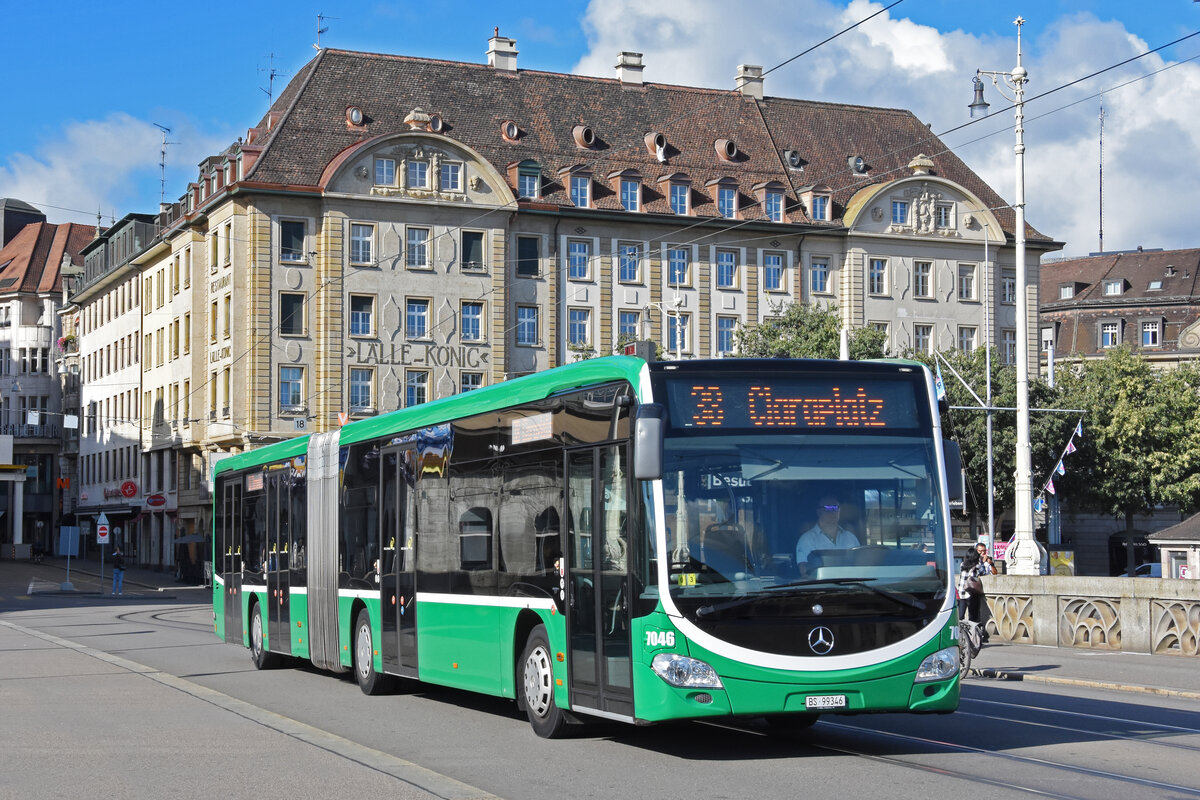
(397, 229)
(32, 256)
(1147, 300)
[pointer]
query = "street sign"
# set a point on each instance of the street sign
(102, 529)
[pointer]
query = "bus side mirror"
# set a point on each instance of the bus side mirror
(954, 472)
(648, 442)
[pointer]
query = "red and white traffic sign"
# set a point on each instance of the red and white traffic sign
(102, 529)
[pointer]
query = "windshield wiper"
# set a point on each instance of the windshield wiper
(900, 598)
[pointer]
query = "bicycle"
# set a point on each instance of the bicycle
(970, 642)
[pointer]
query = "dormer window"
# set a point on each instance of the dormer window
(678, 190)
(820, 207)
(818, 202)
(529, 180)
(580, 191)
(770, 198)
(578, 181)
(631, 195)
(727, 201)
(417, 175)
(679, 198)
(1114, 288)
(724, 192)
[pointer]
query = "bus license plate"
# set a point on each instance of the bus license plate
(825, 701)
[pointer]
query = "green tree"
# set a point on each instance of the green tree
(966, 423)
(806, 331)
(1141, 436)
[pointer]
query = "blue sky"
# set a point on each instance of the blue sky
(86, 82)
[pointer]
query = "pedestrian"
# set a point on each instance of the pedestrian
(118, 584)
(970, 587)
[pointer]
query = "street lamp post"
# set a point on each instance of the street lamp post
(1025, 555)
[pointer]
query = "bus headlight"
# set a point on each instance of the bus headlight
(938, 667)
(684, 672)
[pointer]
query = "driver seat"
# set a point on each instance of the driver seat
(727, 542)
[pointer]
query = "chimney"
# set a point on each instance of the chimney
(750, 81)
(629, 68)
(502, 53)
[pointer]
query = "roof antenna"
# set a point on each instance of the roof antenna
(162, 164)
(271, 73)
(321, 29)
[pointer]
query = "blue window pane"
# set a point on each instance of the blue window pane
(629, 195)
(578, 255)
(472, 322)
(627, 323)
(579, 192)
(726, 269)
(527, 325)
(677, 266)
(773, 272)
(628, 263)
(725, 328)
(577, 327)
(727, 202)
(774, 206)
(679, 198)
(417, 318)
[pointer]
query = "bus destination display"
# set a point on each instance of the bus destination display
(832, 403)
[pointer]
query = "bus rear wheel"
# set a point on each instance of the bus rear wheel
(537, 686)
(370, 681)
(258, 651)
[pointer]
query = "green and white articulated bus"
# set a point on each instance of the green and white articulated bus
(614, 539)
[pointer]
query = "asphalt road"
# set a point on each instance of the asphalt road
(136, 697)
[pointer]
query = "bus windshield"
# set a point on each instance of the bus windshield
(766, 529)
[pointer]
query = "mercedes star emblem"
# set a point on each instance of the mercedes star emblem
(820, 640)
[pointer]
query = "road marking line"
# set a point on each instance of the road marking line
(442, 786)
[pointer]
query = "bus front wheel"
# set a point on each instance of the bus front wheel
(537, 681)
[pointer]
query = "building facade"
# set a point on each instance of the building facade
(399, 229)
(31, 413)
(1146, 300)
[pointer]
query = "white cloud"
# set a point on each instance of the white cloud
(1151, 144)
(104, 165)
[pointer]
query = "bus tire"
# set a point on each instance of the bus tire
(537, 686)
(370, 681)
(262, 658)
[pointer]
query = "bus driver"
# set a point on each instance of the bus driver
(827, 534)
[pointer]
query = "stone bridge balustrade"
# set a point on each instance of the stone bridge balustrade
(1136, 615)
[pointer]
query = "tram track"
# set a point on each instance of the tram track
(1139, 739)
(159, 617)
(976, 775)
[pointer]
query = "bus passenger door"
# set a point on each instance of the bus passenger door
(397, 569)
(276, 566)
(598, 624)
(230, 556)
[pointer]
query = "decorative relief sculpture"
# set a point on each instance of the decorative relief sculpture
(1090, 622)
(1175, 627)
(1012, 617)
